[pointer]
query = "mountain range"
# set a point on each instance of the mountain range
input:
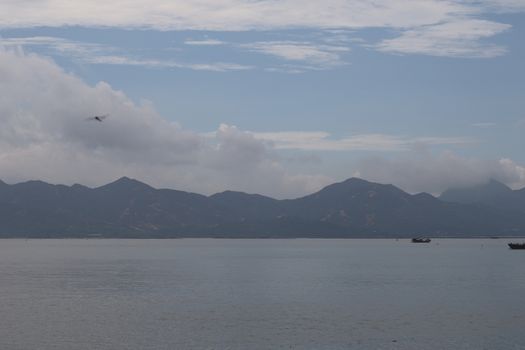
(352, 208)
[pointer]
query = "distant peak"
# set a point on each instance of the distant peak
(77, 186)
(34, 183)
(424, 195)
(228, 193)
(355, 184)
(351, 182)
(356, 180)
(126, 182)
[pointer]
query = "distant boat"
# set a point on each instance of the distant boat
(421, 240)
(517, 245)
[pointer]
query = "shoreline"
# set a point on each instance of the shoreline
(259, 238)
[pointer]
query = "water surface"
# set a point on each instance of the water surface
(261, 294)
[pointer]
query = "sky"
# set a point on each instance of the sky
(263, 96)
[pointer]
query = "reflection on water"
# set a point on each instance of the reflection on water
(261, 294)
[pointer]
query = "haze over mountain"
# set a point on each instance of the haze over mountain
(493, 194)
(352, 208)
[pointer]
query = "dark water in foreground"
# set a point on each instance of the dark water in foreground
(261, 294)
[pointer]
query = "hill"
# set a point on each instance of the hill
(352, 208)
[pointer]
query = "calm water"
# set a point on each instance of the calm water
(261, 294)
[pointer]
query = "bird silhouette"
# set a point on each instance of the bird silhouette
(98, 118)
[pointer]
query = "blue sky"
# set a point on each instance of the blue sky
(273, 97)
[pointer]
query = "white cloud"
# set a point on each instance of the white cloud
(310, 53)
(322, 141)
(459, 38)
(44, 135)
(423, 171)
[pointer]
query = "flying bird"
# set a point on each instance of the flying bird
(98, 118)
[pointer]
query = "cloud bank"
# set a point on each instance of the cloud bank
(44, 135)
(423, 171)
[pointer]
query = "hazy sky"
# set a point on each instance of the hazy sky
(276, 97)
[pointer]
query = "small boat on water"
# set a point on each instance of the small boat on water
(517, 245)
(421, 240)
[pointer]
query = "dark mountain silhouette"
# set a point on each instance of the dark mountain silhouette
(352, 208)
(374, 208)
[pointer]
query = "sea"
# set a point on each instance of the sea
(117, 294)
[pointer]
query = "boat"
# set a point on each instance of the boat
(421, 240)
(517, 245)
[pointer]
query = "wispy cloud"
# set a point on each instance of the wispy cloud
(153, 63)
(460, 38)
(323, 141)
(339, 37)
(204, 42)
(307, 52)
(64, 46)
(453, 28)
(308, 56)
(102, 54)
(287, 69)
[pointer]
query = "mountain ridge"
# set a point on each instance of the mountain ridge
(351, 208)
